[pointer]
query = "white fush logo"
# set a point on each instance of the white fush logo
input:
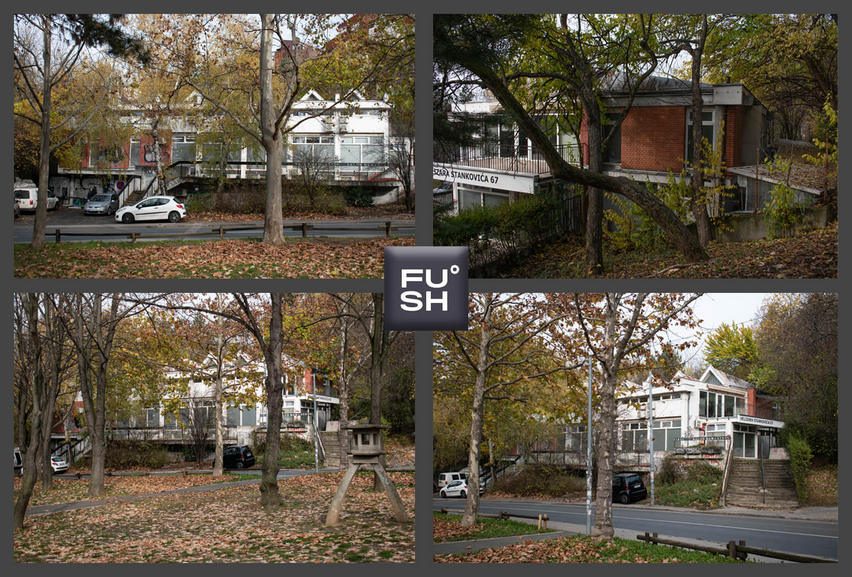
(427, 297)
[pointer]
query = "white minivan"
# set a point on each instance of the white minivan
(26, 197)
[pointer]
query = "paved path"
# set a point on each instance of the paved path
(50, 509)
(803, 536)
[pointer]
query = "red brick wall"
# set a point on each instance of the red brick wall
(733, 141)
(654, 138)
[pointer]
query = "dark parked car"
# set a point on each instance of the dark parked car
(628, 487)
(237, 457)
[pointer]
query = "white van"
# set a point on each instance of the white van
(26, 196)
(445, 479)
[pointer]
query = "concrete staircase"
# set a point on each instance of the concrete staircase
(769, 486)
(334, 456)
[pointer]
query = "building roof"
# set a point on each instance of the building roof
(724, 379)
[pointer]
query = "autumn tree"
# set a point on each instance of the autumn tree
(502, 349)
(290, 54)
(733, 349)
(488, 50)
(42, 361)
(619, 331)
(797, 348)
(47, 49)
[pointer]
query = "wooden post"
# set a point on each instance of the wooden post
(387, 228)
(58, 235)
(221, 232)
(304, 230)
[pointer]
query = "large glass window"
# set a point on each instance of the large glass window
(183, 148)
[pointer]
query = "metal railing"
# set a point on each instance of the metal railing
(493, 156)
(734, 549)
(387, 229)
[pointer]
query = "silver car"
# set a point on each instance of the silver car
(103, 203)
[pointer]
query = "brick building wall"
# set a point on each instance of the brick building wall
(734, 120)
(654, 138)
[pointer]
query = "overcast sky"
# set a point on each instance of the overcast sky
(716, 308)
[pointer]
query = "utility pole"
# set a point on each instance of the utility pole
(316, 432)
(589, 454)
(650, 407)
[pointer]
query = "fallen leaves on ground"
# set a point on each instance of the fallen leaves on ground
(582, 549)
(68, 490)
(393, 212)
(822, 486)
(449, 529)
(314, 258)
(811, 254)
(229, 525)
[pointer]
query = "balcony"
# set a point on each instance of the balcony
(509, 159)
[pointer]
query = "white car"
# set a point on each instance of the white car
(458, 489)
(153, 208)
(26, 197)
(445, 479)
(58, 464)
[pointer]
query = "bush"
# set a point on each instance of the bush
(358, 197)
(548, 480)
(132, 454)
(800, 463)
(669, 472)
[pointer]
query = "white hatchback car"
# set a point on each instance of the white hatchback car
(153, 208)
(458, 489)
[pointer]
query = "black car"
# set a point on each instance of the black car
(628, 487)
(237, 457)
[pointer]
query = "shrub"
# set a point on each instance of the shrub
(800, 463)
(669, 472)
(130, 454)
(358, 197)
(549, 480)
(783, 211)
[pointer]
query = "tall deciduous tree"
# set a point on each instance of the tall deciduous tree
(619, 330)
(47, 48)
(733, 349)
(503, 349)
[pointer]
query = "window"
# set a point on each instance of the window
(249, 416)
(233, 417)
(612, 148)
(708, 130)
(702, 404)
(183, 148)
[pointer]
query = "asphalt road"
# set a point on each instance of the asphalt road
(103, 228)
(818, 538)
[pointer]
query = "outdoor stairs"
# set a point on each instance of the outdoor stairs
(761, 483)
(333, 453)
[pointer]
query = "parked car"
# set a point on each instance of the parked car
(26, 197)
(445, 479)
(628, 487)
(59, 464)
(153, 208)
(17, 462)
(237, 457)
(458, 489)
(103, 203)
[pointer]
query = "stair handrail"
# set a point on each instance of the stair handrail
(727, 470)
(762, 480)
(319, 443)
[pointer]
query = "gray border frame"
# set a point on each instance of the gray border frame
(423, 13)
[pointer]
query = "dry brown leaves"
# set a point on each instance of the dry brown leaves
(451, 530)
(229, 525)
(811, 254)
(315, 258)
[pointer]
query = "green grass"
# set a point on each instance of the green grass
(240, 477)
(628, 550)
(697, 485)
(486, 528)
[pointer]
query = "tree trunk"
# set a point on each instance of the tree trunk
(96, 481)
(698, 202)
(595, 198)
(269, 495)
(343, 388)
(377, 366)
(273, 221)
(40, 221)
(604, 459)
(50, 394)
(471, 507)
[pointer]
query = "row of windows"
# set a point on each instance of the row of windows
(712, 405)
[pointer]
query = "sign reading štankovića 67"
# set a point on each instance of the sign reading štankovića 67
(426, 288)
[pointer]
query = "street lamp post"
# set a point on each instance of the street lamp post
(316, 433)
(589, 454)
(650, 407)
